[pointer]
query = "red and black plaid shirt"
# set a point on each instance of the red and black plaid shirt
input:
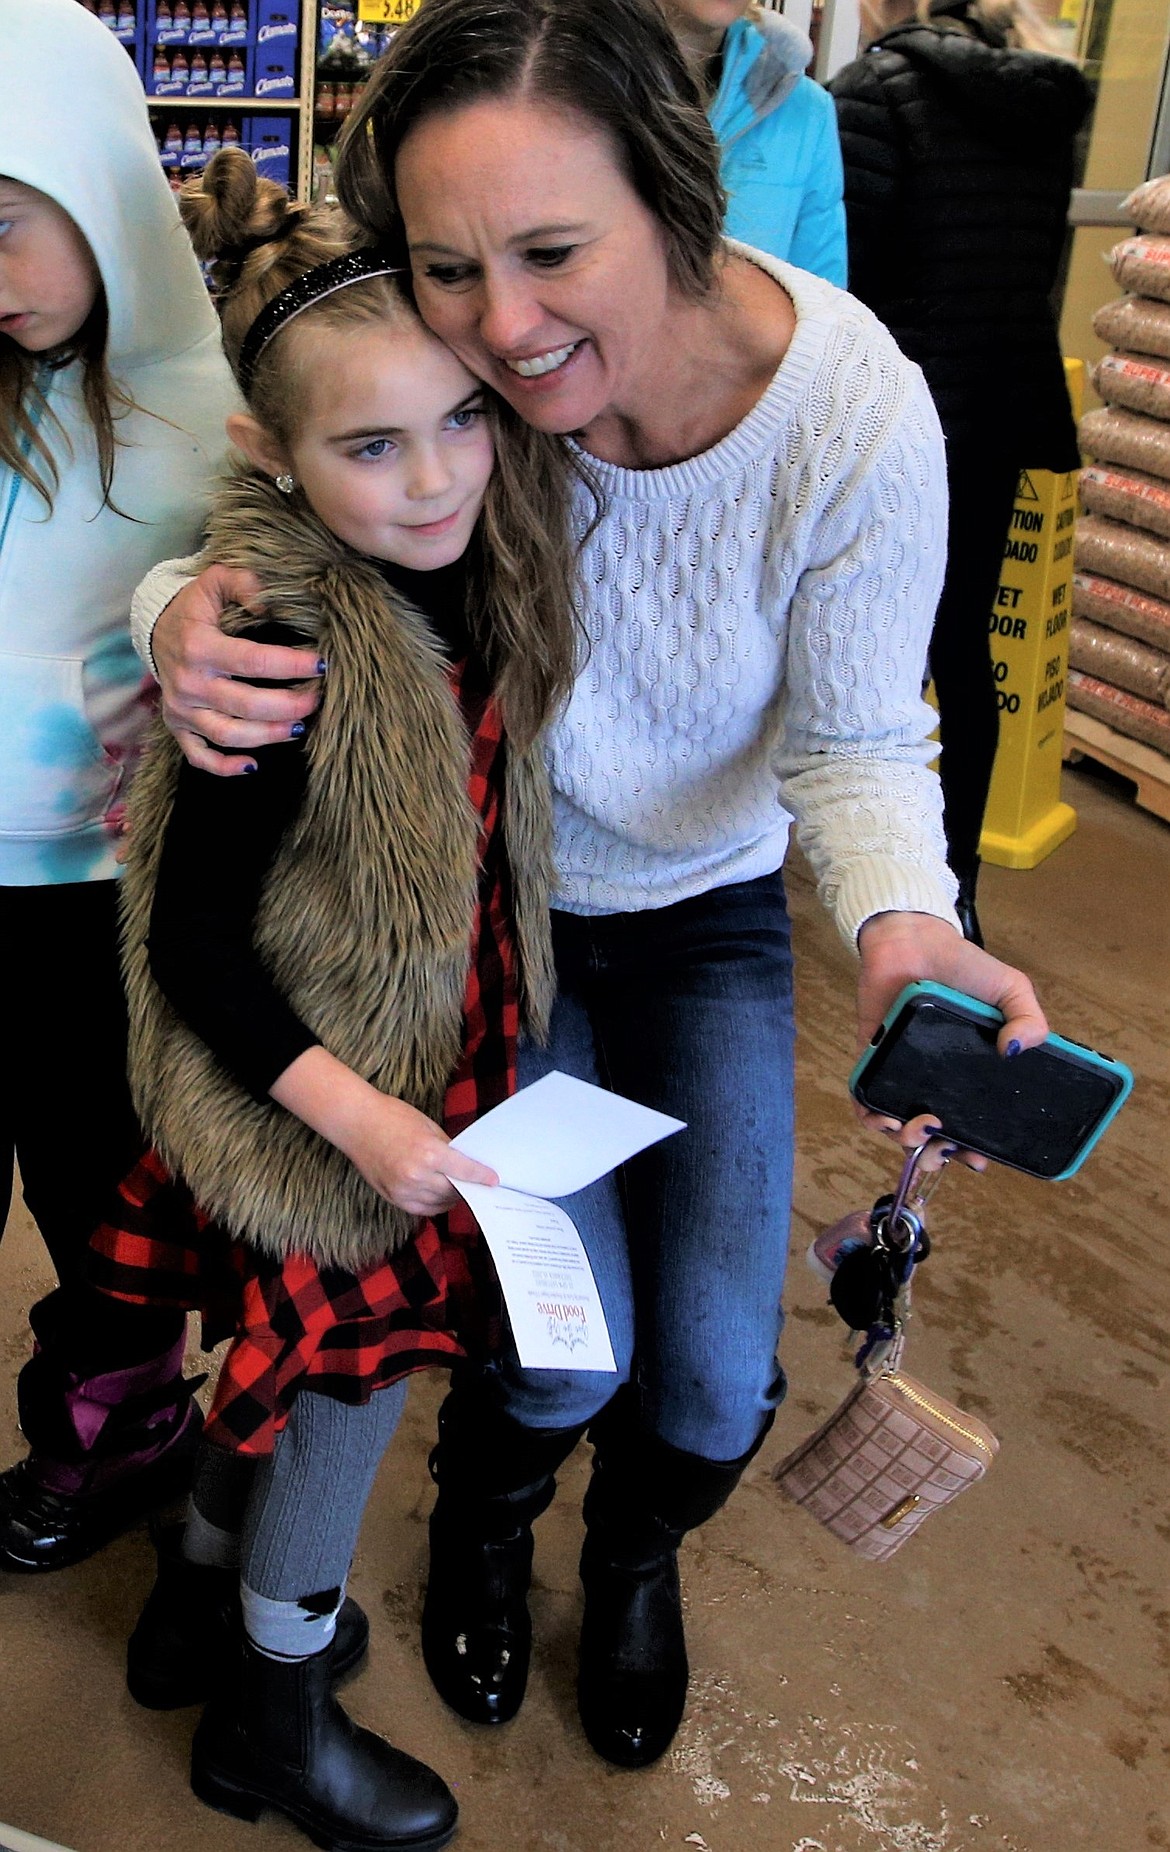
(295, 1321)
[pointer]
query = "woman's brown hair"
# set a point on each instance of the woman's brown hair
(25, 412)
(520, 605)
(614, 63)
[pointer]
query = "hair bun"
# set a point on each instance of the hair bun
(231, 212)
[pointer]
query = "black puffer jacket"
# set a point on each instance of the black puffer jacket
(958, 164)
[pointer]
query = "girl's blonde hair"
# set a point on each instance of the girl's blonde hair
(25, 412)
(520, 606)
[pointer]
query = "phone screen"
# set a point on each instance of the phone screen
(1034, 1112)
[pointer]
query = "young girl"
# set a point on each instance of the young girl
(327, 966)
(113, 393)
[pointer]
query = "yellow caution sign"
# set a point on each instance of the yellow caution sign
(1025, 818)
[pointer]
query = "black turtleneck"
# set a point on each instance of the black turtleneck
(220, 842)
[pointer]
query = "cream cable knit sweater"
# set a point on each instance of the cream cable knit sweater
(758, 620)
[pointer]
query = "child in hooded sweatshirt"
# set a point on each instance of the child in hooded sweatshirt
(113, 393)
(328, 964)
(781, 157)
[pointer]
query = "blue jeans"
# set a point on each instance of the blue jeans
(687, 1008)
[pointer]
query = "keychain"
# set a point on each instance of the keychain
(867, 1258)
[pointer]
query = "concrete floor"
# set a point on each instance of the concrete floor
(1002, 1683)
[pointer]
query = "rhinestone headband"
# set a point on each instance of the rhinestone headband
(323, 280)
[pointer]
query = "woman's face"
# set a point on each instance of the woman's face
(49, 281)
(535, 260)
(709, 19)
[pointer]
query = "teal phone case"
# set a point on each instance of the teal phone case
(985, 1012)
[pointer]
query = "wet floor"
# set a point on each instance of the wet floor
(1002, 1683)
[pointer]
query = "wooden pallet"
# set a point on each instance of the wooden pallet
(1086, 738)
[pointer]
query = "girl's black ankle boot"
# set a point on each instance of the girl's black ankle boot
(281, 1740)
(189, 1632)
(495, 1477)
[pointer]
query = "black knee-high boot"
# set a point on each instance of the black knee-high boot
(642, 1499)
(494, 1478)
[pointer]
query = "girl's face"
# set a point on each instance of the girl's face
(393, 450)
(535, 260)
(49, 281)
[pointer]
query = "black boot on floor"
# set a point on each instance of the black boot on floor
(643, 1498)
(494, 1478)
(188, 1634)
(281, 1740)
(965, 905)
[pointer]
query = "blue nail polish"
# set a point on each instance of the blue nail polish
(250, 767)
(1012, 1050)
(297, 729)
(948, 1151)
(322, 665)
(932, 1131)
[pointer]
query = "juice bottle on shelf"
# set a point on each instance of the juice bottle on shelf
(230, 137)
(162, 65)
(325, 102)
(216, 67)
(127, 18)
(200, 17)
(236, 68)
(193, 140)
(198, 68)
(180, 66)
(211, 140)
(182, 16)
(239, 14)
(163, 17)
(108, 14)
(219, 15)
(344, 102)
(173, 139)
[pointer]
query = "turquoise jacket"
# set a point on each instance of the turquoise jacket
(781, 155)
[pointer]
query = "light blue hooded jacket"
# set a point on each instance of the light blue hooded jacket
(781, 156)
(73, 706)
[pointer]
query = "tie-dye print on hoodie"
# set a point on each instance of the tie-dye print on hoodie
(73, 702)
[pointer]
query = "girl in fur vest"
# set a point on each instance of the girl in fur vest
(113, 395)
(328, 963)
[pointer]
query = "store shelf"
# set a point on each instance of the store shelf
(1086, 738)
(218, 105)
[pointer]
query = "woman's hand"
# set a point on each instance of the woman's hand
(401, 1153)
(904, 948)
(204, 703)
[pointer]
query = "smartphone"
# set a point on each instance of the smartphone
(1041, 1112)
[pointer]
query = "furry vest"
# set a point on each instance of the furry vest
(366, 915)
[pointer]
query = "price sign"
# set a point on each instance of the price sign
(387, 12)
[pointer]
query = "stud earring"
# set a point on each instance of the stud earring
(285, 483)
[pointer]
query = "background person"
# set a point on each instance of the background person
(113, 393)
(777, 130)
(957, 128)
(757, 594)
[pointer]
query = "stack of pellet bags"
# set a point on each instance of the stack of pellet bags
(1119, 648)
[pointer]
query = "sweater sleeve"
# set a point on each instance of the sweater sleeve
(855, 755)
(162, 583)
(818, 240)
(221, 839)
